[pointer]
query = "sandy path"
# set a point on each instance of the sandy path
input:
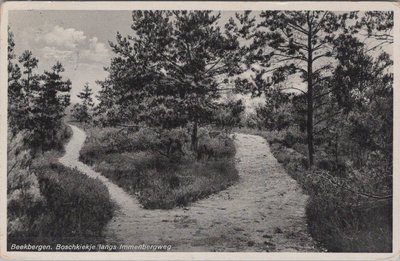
(264, 211)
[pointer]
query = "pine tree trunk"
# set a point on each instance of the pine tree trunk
(194, 137)
(310, 105)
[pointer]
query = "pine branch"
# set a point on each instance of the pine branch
(376, 46)
(293, 88)
(321, 104)
(320, 24)
(291, 57)
(320, 46)
(320, 56)
(364, 194)
(298, 28)
(327, 118)
(326, 93)
(12, 167)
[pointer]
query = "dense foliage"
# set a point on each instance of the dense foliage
(83, 112)
(46, 202)
(162, 174)
(49, 203)
(24, 199)
(36, 102)
(336, 135)
(166, 74)
(77, 207)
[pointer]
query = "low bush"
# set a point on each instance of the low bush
(49, 203)
(162, 175)
(216, 147)
(74, 209)
(342, 222)
(338, 217)
(24, 199)
(77, 207)
(188, 184)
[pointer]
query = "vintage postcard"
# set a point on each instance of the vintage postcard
(200, 130)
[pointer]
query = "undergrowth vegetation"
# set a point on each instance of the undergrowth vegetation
(326, 83)
(341, 215)
(48, 202)
(161, 169)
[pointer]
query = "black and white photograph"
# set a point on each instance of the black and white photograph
(262, 128)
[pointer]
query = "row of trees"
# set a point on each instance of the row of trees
(172, 70)
(36, 102)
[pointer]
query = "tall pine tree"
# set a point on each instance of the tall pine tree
(166, 74)
(15, 92)
(286, 43)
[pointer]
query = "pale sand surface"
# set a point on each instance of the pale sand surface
(263, 211)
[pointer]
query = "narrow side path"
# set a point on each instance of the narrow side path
(264, 211)
(125, 202)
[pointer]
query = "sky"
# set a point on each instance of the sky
(78, 39)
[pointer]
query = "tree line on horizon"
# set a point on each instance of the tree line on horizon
(170, 74)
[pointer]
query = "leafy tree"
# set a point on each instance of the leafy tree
(166, 74)
(286, 43)
(30, 81)
(83, 111)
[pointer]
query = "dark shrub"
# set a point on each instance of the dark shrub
(339, 219)
(76, 205)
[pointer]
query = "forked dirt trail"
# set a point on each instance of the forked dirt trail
(264, 211)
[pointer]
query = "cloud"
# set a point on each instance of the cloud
(96, 52)
(52, 53)
(65, 44)
(61, 37)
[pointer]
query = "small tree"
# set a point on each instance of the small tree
(229, 113)
(16, 101)
(48, 106)
(83, 111)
